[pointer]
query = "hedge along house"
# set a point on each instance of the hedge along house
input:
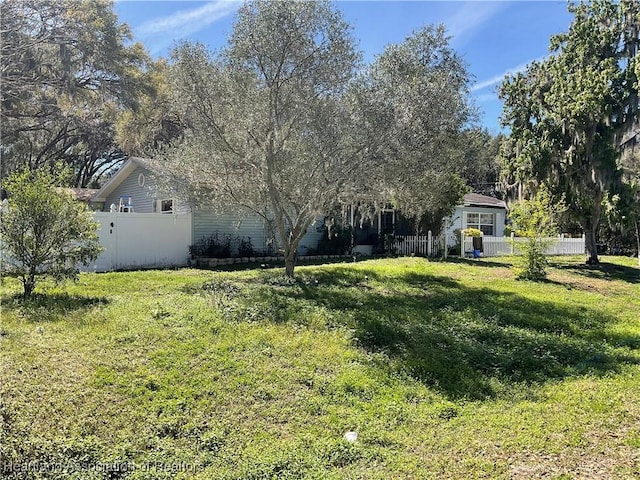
(487, 214)
(133, 189)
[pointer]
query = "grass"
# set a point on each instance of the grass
(445, 369)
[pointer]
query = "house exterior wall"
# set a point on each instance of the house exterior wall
(143, 197)
(458, 221)
(206, 223)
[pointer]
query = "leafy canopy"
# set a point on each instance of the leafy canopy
(68, 70)
(567, 113)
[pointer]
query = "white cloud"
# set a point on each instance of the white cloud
(185, 22)
(470, 17)
(498, 78)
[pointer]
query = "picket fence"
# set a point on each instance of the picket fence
(430, 245)
(499, 246)
(421, 245)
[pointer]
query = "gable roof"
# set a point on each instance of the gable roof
(120, 176)
(477, 200)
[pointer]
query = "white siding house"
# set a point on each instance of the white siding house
(133, 189)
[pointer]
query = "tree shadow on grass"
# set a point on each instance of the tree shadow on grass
(494, 262)
(466, 342)
(50, 307)
(605, 271)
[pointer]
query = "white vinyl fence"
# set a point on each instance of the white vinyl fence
(142, 240)
(421, 245)
(499, 246)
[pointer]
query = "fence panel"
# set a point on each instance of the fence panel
(142, 240)
(499, 246)
(422, 245)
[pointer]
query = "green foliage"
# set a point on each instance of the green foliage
(536, 220)
(245, 247)
(44, 231)
(335, 242)
(472, 232)
(481, 163)
(567, 113)
(155, 122)
(216, 245)
(508, 230)
(222, 245)
(69, 69)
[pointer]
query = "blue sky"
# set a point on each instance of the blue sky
(494, 37)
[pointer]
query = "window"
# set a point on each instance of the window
(482, 221)
(165, 205)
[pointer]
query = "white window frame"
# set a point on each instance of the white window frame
(159, 203)
(480, 222)
(385, 211)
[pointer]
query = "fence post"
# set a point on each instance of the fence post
(512, 240)
(429, 243)
(462, 244)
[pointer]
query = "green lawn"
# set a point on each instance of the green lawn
(444, 369)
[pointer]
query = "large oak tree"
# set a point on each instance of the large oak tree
(568, 112)
(68, 70)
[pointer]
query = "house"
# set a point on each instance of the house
(487, 214)
(133, 189)
(149, 228)
(482, 212)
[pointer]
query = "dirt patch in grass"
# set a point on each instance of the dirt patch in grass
(603, 464)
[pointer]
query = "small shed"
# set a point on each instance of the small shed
(487, 214)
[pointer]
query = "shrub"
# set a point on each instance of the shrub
(472, 232)
(44, 231)
(245, 248)
(217, 245)
(338, 242)
(536, 221)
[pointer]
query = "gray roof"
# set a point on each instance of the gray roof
(475, 199)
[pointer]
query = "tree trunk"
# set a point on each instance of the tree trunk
(591, 240)
(28, 283)
(289, 262)
(592, 247)
(590, 225)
